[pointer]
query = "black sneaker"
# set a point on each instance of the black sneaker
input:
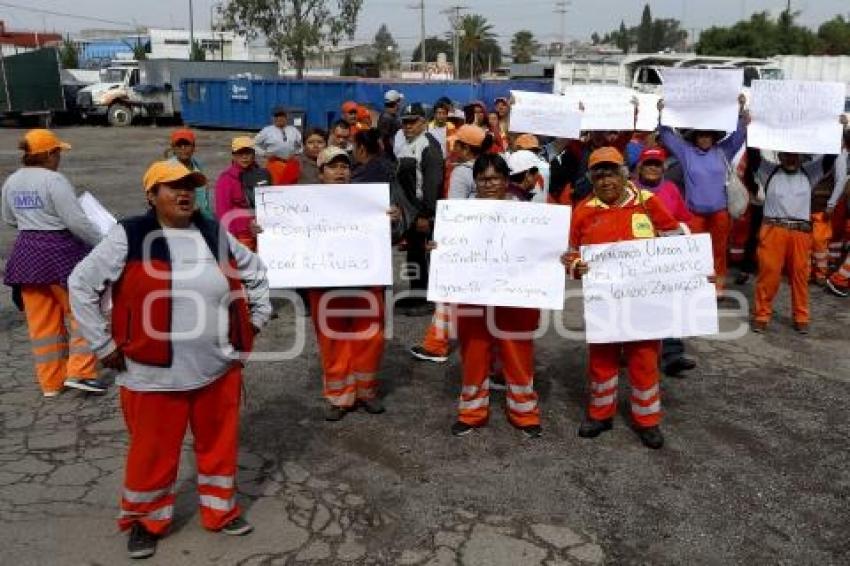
(237, 527)
(334, 413)
(141, 543)
(678, 365)
(97, 386)
(591, 428)
(651, 437)
(801, 327)
(420, 353)
(836, 290)
(461, 429)
(533, 431)
(373, 406)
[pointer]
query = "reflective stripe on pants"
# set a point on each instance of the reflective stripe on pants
(642, 366)
(157, 424)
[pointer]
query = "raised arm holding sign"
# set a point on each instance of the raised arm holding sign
(702, 99)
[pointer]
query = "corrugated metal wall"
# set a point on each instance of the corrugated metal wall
(246, 104)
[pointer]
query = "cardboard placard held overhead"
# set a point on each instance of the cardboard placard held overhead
(325, 235)
(703, 99)
(545, 115)
(606, 107)
(796, 116)
(501, 253)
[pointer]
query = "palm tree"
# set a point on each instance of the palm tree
(478, 45)
(524, 47)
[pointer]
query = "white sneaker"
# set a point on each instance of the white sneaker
(51, 394)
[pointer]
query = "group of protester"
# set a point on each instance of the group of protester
(189, 293)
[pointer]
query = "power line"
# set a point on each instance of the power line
(66, 15)
(455, 21)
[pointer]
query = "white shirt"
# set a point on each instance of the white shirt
(789, 195)
(279, 142)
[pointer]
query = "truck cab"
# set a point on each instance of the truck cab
(107, 97)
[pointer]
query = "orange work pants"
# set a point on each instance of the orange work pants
(719, 225)
(642, 365)
(738, 237)
(349, 327)
(783, 251)
(438, 334)
(510, 330)
(821, 235)
(840, 234)
(157, 423)
(48, 313)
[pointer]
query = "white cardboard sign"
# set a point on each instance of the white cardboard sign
(501, 253)
(96, 213)
(704, 99)
(649, 289)
(796, 116)
(606, 107)
(544, 114)
(325, 235)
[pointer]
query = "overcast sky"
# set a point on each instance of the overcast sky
(507, 16)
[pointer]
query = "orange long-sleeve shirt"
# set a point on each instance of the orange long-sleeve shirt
(640, 216)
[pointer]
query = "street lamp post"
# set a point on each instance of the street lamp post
(191, 30)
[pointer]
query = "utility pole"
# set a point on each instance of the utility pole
(454, 20)
(191, 30)
(422, 54)
(561, 8)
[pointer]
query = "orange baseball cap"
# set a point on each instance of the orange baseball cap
(363, 115)
(183, 134)
(43, 141)
(605, 155)
(168, 172)
(471, 135)
(349, 107)
(527, 141)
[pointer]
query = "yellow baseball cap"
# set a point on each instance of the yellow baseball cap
(43, 141)
(168, 172)
(240, 143)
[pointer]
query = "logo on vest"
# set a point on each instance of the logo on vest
(642, 226)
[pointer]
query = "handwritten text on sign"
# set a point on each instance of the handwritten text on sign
(325, 235)
(545, 114)
(796, 116)
(606, 107)
(705, 99)
(500, 253)
(649, 289)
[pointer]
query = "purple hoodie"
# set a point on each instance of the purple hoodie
(704, 171)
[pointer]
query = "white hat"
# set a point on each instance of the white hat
(393, 96)
(522, 160)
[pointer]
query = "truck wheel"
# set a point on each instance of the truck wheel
(120, 116)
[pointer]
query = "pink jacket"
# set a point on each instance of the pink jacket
(230, 196)
(671, 197)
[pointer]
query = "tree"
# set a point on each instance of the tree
(433, 45)
(292, 28)
(347, 69)
(140, 50)
(197, 53)
(524, 47)
(478, 46)
(69, 56)
(760, 36)
(644, 32)
(834, 36)
(386, 49)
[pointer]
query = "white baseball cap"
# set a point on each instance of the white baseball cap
(522, 161)
(393, 96)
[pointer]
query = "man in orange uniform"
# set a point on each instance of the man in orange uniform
(480, 330)
(618, 211)
(785, 240)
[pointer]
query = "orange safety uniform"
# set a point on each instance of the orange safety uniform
(481, 330)
(821, 228)
(783, 249)
(349, 326)
(594, 222)
(57, 358)
(840, 230)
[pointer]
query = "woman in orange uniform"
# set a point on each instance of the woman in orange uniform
(618, 211)
(512, 335)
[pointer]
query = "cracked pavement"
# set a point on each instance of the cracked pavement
(755, 469)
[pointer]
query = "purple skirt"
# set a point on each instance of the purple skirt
(44, 257)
